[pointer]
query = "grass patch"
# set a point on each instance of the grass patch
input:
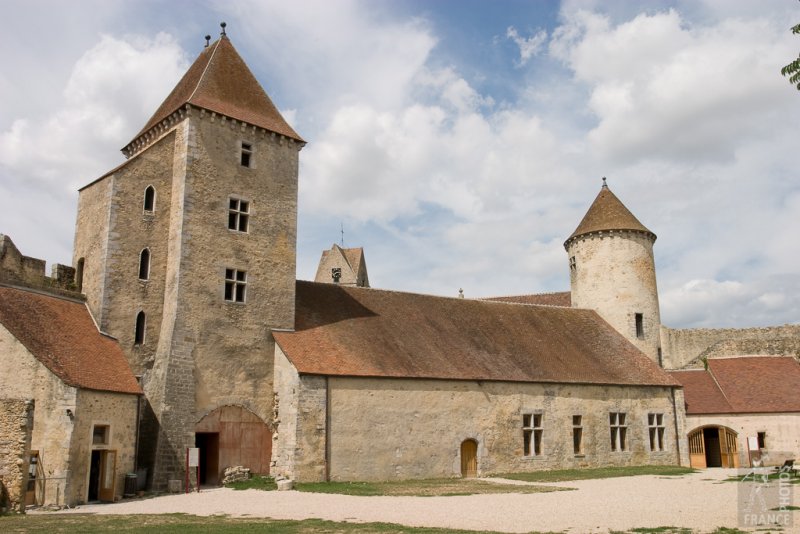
(185, 524)
(771, 477)
(257, 482)
(599, 472)
(790, 508)
(439, 487)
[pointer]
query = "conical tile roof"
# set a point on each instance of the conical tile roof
(608, 213)
(220, 81)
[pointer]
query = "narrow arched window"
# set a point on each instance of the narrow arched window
(138, 335)
(150, 199)
(144, 264)
(79, 275)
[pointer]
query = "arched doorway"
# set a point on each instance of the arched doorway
(230, 436)
(469, 458)
(713, 446)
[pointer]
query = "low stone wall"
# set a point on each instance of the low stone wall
(16, 426)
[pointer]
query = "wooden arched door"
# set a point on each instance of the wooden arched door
(469, 458)
(713, 446)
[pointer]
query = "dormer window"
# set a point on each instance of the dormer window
(149, 199)
(246, 154)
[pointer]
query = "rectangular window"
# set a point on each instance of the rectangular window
(238, 214)
(762, 440)
(655, 425)
(577, 434)
(532, 434)
(619, 431)
(100, 435)
(235, 285)
(246, 154)
(573, 266)
(640, 325)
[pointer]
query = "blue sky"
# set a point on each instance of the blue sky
(458, 141)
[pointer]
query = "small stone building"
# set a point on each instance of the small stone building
(86, 398)
(379, 385)
(741, 409)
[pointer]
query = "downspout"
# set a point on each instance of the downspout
(327, 429)
(675, 419)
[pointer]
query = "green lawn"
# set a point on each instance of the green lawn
(56, 523)
(420, 488)
(599, 472)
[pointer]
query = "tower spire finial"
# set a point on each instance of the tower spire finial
(605, 185)
(222, 33)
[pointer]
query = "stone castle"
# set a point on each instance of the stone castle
(185, 254)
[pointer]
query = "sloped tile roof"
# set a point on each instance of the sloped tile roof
(220, 81)
(349, 331)
(62, 335)
(353, 257)
(701, 392)
(561, 298)
(746, 384)
(607, 213)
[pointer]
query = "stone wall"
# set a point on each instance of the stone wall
(685, 348)
(200, 352)
(16, 426)
(393, 429)
(615, 275)
(782, 433)
(16, 269)
(23, 376)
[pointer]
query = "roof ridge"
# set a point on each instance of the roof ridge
(205, 69)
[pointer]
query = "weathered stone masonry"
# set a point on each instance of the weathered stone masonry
(16, 428)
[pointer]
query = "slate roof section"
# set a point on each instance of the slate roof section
(220, 81)
(561, 298)
(350, 331)
(62, 335)
(608, 213)
(746, 384)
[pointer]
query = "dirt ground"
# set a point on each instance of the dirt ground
(702, 501)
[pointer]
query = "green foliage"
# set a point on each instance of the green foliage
(792, 70)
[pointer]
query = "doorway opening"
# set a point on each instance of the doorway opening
(102, 476)
(469, 458)
(713, 446)
(208, 443)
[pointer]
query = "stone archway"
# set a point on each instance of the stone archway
(230, 436)
(713, 446)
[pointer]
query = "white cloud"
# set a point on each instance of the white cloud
(529, 47)
(111, 91)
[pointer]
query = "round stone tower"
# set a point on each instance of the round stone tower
(612, 271)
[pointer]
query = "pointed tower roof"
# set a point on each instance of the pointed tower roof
(220, 81)
(608, 213)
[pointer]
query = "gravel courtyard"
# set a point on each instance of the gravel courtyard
(700, 501)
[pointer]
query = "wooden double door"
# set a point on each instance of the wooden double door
(713, 446)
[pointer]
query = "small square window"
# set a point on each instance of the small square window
(100, 435)
(235, 285)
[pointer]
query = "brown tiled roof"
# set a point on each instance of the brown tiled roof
(747, 384)
(562, 298)
(606, 213)
(701, 392)
(61, 334)
(353, 257)
(350, 331)
(220, 81)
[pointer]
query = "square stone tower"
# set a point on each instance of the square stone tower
(186, 254)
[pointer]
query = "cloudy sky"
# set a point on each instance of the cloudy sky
(458, 141)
